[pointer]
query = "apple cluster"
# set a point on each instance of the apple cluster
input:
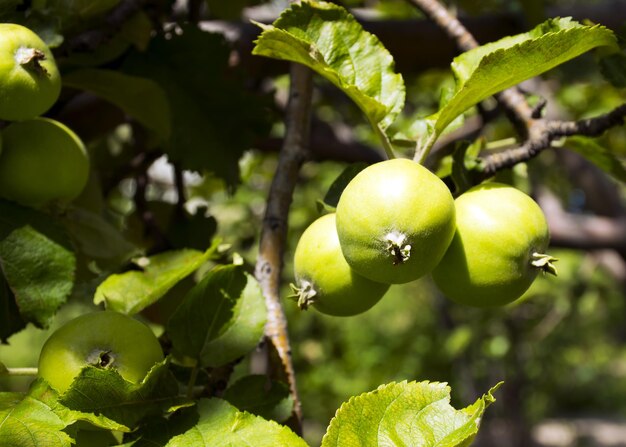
(41, 160)
(396, 222)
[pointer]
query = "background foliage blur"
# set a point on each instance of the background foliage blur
(560, 350)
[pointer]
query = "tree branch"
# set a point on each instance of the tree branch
(274, 232)
(543, 132)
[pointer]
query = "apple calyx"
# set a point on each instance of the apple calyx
(396, 246)
(544, 262)
(30, 59)
(305, 295)
(101, 359)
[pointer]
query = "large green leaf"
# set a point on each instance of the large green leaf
(89, 230)
(133, 291)
(28, 422)
(599, 155)
(415, 414)
(222, 425)
(140, 98)
(15, 217)
(214, 117)
(496, 66)
(327, 39)
(41, 391)
(38, 271)
(106, 393)
(221, 319)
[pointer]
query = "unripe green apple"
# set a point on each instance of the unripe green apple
(395, 220)
(42, 160)
(104, 339)
(29, 79)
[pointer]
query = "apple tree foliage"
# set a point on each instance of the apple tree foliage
(160, 84)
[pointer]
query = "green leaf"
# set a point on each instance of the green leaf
(89, 230)
(140, 98)
(106, 393)
(597, 154)
(28, 422)
(159, 430)
(496, 66)
(133, 291)
(331, 199)
(14, 217)
(221, 319)
(214, 117)
(41, 391)
(221, 425)
(257, 394)
(39, 272)
(327, 39)
(406, 414)
(10, 319)
(10, 399)
(613, 68)
(465, 158)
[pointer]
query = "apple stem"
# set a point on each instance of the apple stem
(396, 246)
(30, 59)
(305, 294)
(192, 381)
(19, 372)
(544, 262)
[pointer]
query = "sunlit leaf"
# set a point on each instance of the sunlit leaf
(28, 422)
(133, 291)
(326, 38)
(414, 414)
(222, 425)
(497, 66)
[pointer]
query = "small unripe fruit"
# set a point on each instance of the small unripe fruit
(498, 248)
(395, 220)
(29, 79)
(42, 160)
(104, 339)
(324, 279)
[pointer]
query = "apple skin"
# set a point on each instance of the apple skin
(42, 160)
(104, 339)
(29, 85)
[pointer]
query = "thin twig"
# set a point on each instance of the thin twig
(536, 133)
(274, 231)
(543, 132)
(20, 372)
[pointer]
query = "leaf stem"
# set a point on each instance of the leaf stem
(20, 372)
(422, 151)
(192, 380)
(384, 139)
